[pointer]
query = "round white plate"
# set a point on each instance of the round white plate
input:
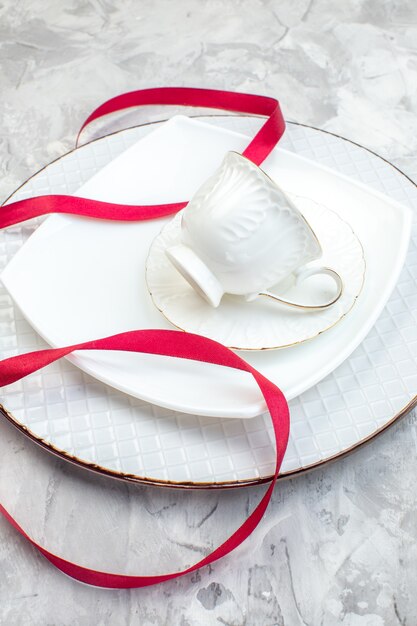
(91, 424)
(262, 324)
(77, 279)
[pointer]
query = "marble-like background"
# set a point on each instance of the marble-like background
(337, 546)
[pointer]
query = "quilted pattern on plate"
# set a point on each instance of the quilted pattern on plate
(97, 424)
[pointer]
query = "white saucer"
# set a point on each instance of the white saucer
(262, 324)
(77, 279)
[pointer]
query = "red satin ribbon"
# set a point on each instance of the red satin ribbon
(257, 150)
(162, 342)
(168, 343)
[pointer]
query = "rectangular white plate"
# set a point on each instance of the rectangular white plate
(77, 279)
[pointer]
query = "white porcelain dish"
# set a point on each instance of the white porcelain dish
(77, 279)
(93, 425)
(262, 324)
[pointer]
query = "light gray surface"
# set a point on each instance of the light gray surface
(337, 546)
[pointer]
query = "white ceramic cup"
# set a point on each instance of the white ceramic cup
(241, 234)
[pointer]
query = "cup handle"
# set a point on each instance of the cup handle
(301, 275)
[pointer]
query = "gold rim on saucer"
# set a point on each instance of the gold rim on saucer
(259, 348)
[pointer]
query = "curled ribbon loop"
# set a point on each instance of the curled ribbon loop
(257, 150)
(168, 343)
(162, 342)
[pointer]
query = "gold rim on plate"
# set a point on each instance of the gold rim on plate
(134, 478)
